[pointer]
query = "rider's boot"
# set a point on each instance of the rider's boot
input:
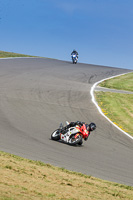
(63, 129)
(61, 126)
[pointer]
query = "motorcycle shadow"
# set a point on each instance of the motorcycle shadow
(62, 142)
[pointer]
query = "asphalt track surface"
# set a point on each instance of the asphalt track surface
(36, 94)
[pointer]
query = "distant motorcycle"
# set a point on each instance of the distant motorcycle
(73, 135)
(74, 58)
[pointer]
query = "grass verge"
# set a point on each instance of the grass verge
(4, 54)
(124, 82)
(118, 108)
(26, 179)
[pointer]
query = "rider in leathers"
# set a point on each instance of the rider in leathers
(89, 127)
(75, 52)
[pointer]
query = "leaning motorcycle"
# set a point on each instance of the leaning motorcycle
(72, 136)
(74, 58)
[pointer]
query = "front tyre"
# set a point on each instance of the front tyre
(81, 142)
(55, 135)
(75, 139)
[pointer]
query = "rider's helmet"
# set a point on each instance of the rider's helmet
(74, 51)
(92, 126)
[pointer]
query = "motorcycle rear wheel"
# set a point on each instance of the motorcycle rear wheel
(55, 135)
(74, 141)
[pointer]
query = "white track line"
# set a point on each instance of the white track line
(99, 109)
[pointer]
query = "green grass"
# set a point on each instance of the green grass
(4, 54)
(124, 82)
(118, 108)
(27, 179)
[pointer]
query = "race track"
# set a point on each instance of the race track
(36, 94)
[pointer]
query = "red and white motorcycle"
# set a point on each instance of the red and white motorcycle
(72, 136)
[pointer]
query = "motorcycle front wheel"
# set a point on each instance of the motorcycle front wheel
(74, 61)
(55, 135)
(75, 139)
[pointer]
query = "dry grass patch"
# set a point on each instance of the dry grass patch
(4, 54)
(25, 179)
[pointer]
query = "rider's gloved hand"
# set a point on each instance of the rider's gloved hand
(86, 138)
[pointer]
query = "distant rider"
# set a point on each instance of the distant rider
(89, 127)
(74, 53)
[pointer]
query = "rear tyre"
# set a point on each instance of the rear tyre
(55, 135)
(74, 141)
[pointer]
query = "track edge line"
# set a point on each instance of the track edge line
(99, 109)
